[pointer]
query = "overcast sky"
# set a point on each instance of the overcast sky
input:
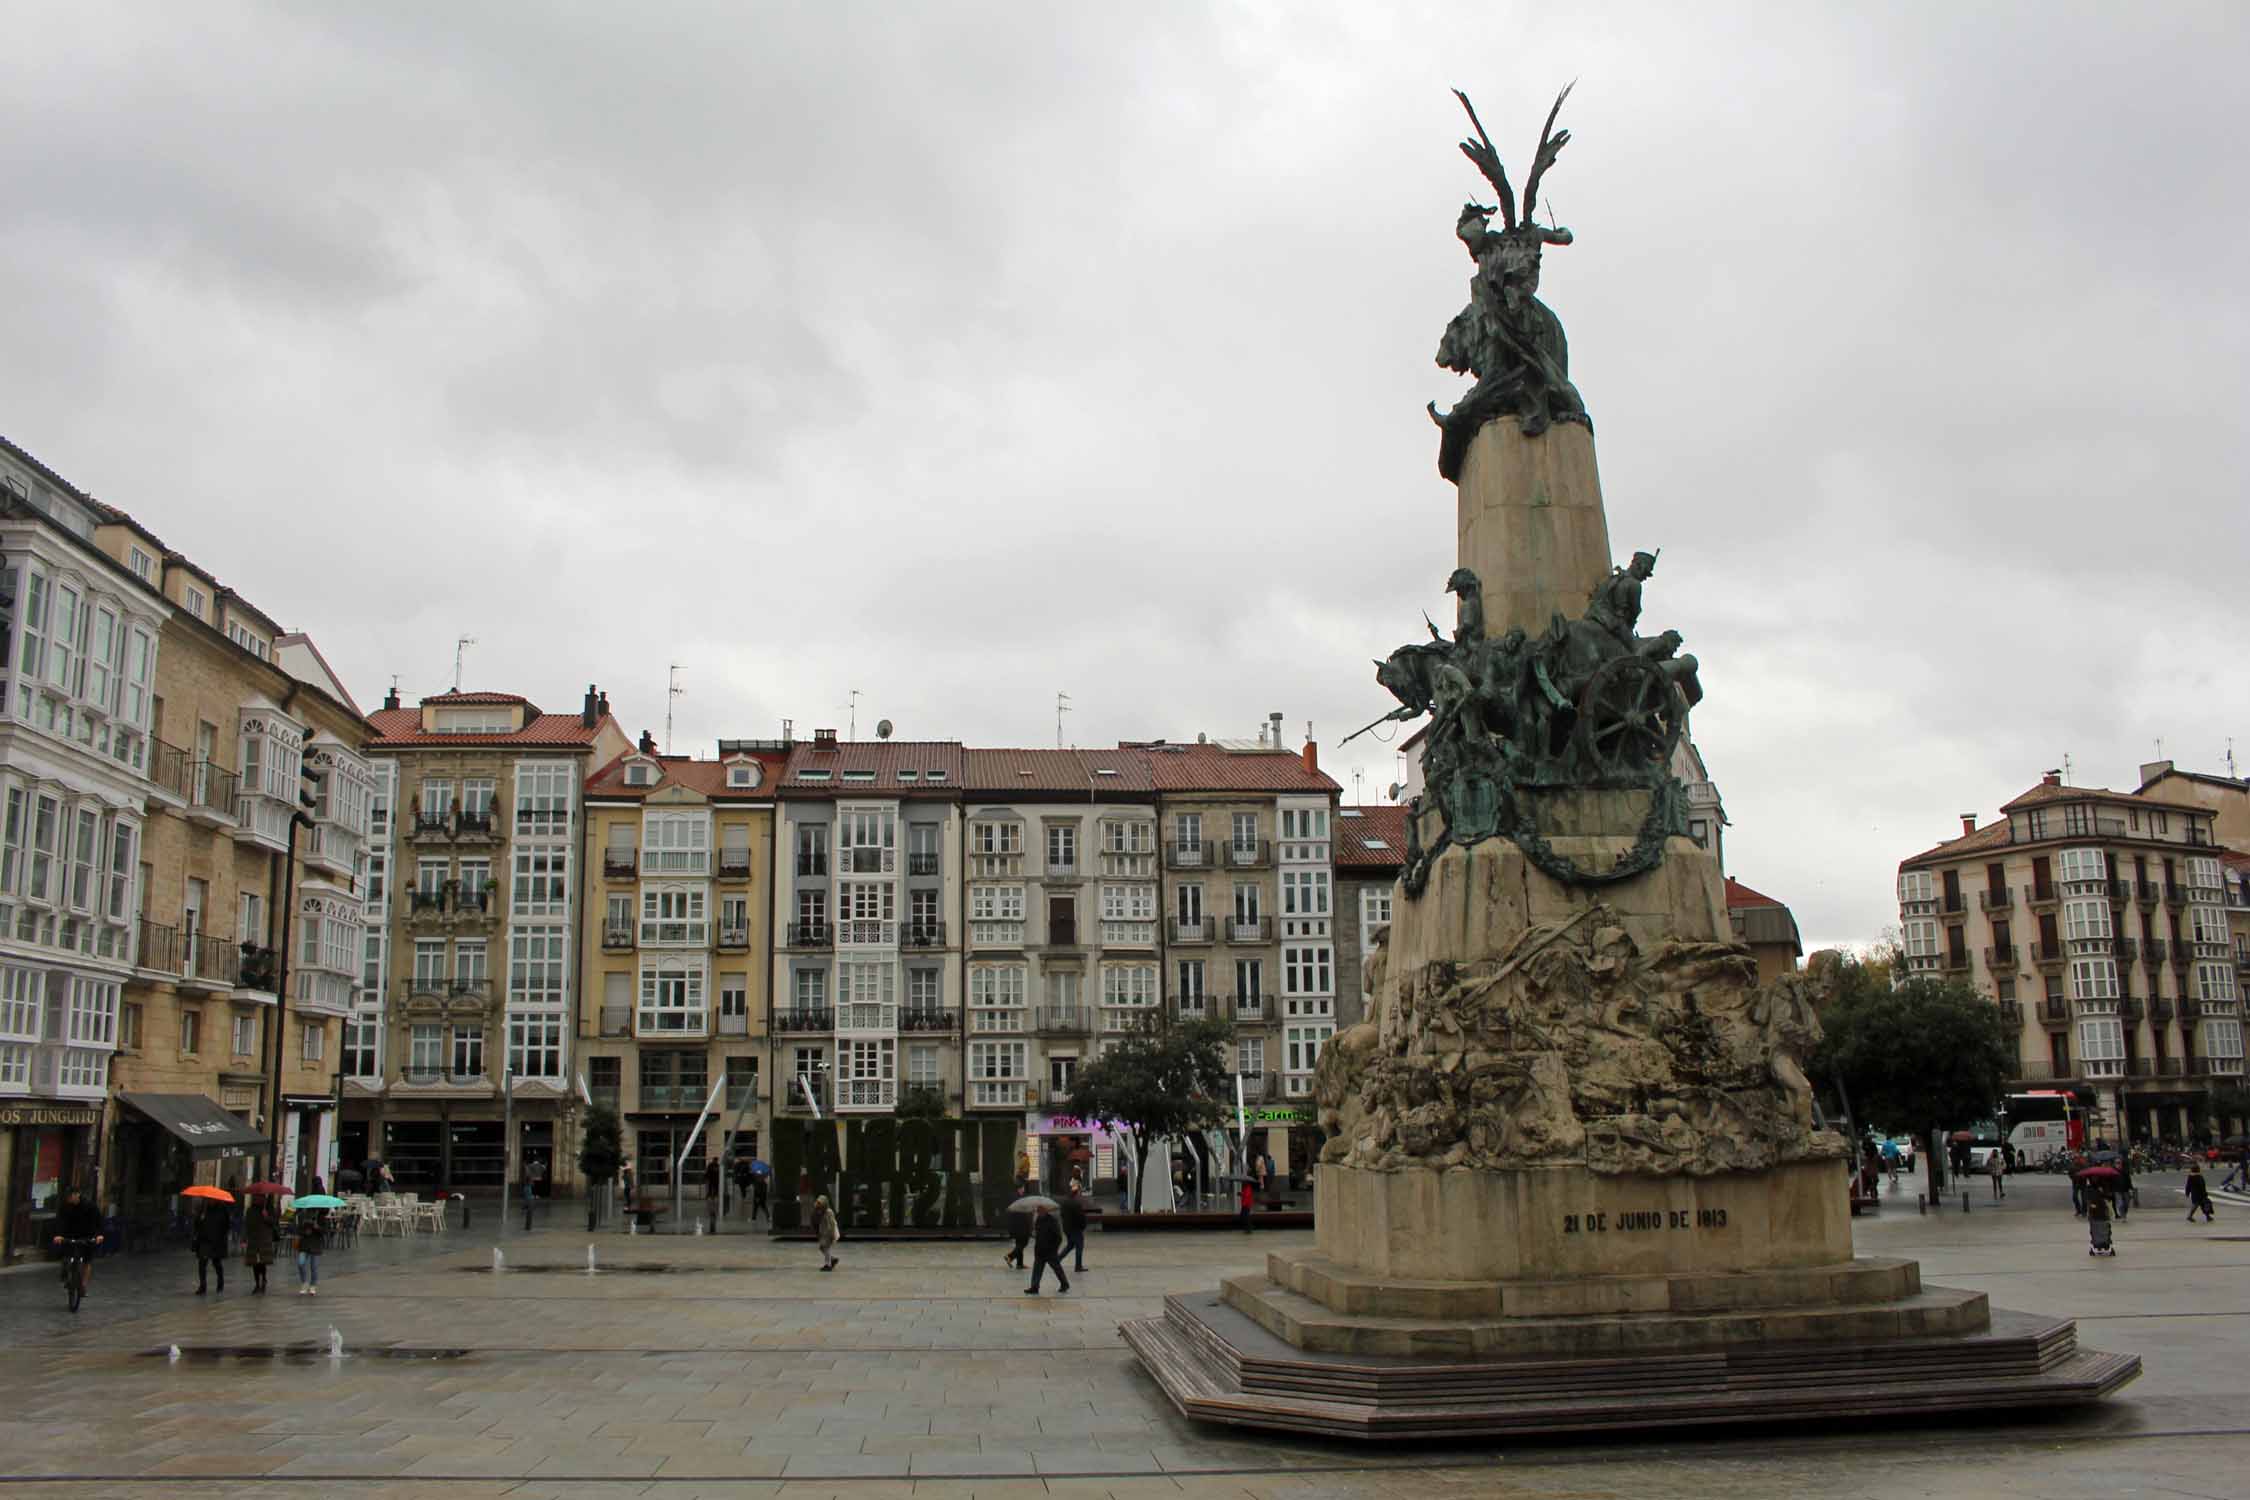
(968, 354)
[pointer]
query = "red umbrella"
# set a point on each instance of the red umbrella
(205, 1190)
(265, 1190)
(2087, 1174)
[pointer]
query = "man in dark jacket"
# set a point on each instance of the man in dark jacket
(79, 1220)
(1074, 1226)
(210, 1241)
(1046, 1250)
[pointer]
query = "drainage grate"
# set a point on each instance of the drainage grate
(301, 1353)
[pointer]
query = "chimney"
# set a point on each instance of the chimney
(2153, 769)
(1968, 824)
(601, 707)
(390, 699)
(2052, 778)
(1312, 756)
(825, 737)
(586, 716)
(1273, 736)
(648, 743)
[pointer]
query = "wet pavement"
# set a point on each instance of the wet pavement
(688, 1366)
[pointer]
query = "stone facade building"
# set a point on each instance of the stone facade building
(2098, 921)
(476, 888)
(676, 949)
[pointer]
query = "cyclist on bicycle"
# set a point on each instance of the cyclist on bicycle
(79, 1220)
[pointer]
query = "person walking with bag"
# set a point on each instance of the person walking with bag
(2198, 1193)
(261, 1227)
(1046, 1250)
(827, 1231)
(1996, 1168)
(209, 1239)
(1074, 1226)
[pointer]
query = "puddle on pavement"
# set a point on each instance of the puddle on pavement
(612, 1268)
(307, 1353)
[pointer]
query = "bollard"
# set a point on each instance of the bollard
(464, 1213)
(1921, 1203)
(1964, 1203)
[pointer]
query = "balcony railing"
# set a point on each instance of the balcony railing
(433, 825)
(1198, 931)
(418, 900)
(2054, 1010)
(213, 791)
(805, 1019)
(2160, 1010)
(812, 864)
(2130, 1009)
(811, 935)
(2175, 894)
(926, 1019)
(171, 770)
(1248, 855)
(1249, 929)
(1999, 900)
(2120, 890)
(794, 1092)
(2151, 892)
(1953, 903)
(159, 947)
(922, 862)
(1257, 1088)
(735, 938)
(2142, 1067)
(476, 823)
(1062, 934)
(734, 864)
(606, 1096)
(866, 932)
(1956, 958)
(2172, 1067)
(2127, 949)
(997, 1093)
(1187, 856)
(1251, 1009)
(1063, 1018)
(734, 1025)
(474, 901)
(2039, 895)
(921, 934)
(2153, 950)
(2041, 1070)
(617, 937)
(866, 1093)
(617, 1020)
(2011, 1012)
(2000, 960)
(2046, 953)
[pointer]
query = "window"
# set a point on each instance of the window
(543, 797)
(866, 839)
(1303, 1044)
(1250, 979)
(250, 926)
(1062, 846)
(191, 1032)
(1062, 1074)
(812, 989)
(1187, 832)
(673, 916)
(922, 989)
(312, 1042)
(1374, 913)
(429, 965)
(197, 604)
(742, 775)
(997, 1060)
(676, 844)
(922, 1065)
(1304, 823)
(1306, 971)
(640, 773)
(143, 565)
(1250, 1056)
(2214, 982)
(1128, 838)
(85, 850)
(468, 1051)
(1915, 887)
(996, 997)
(812, 849)
(734, 1000)
(2093, 979)
(430, 876)
(535, 1046)
(425, 1049)
(378, 877)
(471, 966)
(1189, 899)
(11, 840)
(997, 838)
(1245, 831)
(1921, 939)
(2085, 921)
(866, 997)
(1129, 985)
(2223, 1038)
(542, 883)
(535, 966)
(2101, 1046)
(101, 656)
(1190, 988)
(245, 1035)
(476, 796)
(1304, 893)
(476, 884)
(2082, 864)
(123, 839)
(129, 1026)
(63, 654)
(2209, 924)
(1000, 903)
(2203, 874)
(671, 995)
(360, 1059)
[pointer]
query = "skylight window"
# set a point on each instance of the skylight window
(812, 775)
(859, 775)
(910, 775)
(934, 776)
(1378, 843)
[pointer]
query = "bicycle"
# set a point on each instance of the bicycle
(77, 1255)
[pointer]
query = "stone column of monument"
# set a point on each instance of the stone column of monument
(1574, 1176)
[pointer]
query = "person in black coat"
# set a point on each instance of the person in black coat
(209, 1239)
(1074, 1226)
(1019, 1230)
(1046, 1250)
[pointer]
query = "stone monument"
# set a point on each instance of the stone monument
(1575, 1176)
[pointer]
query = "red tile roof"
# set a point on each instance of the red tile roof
(708, 777)
(1098, 772)
(1357, 838)
(456, 700)
(1739, 894)
(2042, 794)
(398, 728)
(883, 759)
(1211, 768)
(1993, 835)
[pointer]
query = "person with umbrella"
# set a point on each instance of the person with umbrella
(2098, 1240)
(208, 1233)
(1046, 1247)
(1019, 1225)
(761, 1176)
(312, 1239)
(261, 1231)
(741, 1180)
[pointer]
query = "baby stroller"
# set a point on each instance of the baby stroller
(2098, 1230)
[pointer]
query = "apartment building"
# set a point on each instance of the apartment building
(249, 763)
(677, 948)
(471, 987)
(1766, 927)
(2227, 798)
(1370, 854)
(867, 892)
(2098, 922)
(79, 641)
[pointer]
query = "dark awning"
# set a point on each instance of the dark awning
(210, 1132)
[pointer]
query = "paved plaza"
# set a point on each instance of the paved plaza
(731, 1366)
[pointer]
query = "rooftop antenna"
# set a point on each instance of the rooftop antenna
(1062, 706)
(460, 647)
(673, 692)
(2230, 756)
(2066, 769)
(853, 709)
(1357, 798)
(2160, 747)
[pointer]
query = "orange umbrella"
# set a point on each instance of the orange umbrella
(202, 1190)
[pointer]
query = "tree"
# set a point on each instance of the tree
(922, 1103)
(1158, 1081)
(602, 1150)
(1929, 1055)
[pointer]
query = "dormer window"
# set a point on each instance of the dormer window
(640, 773)
(742, 774)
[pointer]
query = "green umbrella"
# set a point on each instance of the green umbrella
(318, 1200)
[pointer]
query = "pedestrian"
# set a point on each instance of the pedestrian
(1124, 1182)
(742, 1181)
(1019, 1230)
(2098, 1240)
(1249, 1202)
(2239, 1175)
(1890, 1160)
(2198, 1193)
(2124, 1184)
(528, 1199)
(2008, 1155)
(312, 1238)
(625, 1192)
(1996, 1168)
(1269, 1172)
(383, 1171)
(1046, 1250)
(826, 1231)
(1074, 1225)
(261, 1228)
(209, 1239)
(759, 1206)
(711, 1192)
